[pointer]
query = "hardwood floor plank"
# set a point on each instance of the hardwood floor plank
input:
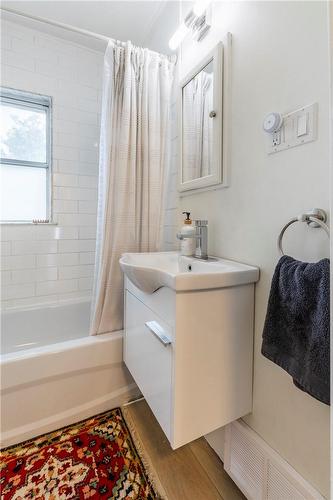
(213, 466)
(192, 472)
(181, 475)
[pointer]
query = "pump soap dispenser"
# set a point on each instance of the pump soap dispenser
(187, 243)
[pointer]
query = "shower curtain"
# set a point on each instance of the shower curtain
(133, 154)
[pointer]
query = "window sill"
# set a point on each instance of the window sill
(14, 223)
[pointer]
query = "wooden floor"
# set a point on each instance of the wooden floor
(193, 472)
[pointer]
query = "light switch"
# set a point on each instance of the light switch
(299, 127)
(302, 125)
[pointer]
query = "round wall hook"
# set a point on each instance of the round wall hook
(314, 218)
(315, 213)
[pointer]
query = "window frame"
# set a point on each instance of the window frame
(23, 99)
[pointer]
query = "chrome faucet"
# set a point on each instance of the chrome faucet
(201, 239)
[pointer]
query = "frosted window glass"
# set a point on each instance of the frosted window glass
(22, 133)
(23, 193)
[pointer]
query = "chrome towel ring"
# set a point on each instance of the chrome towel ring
(314, 218)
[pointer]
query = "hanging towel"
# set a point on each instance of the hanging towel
(296, 333)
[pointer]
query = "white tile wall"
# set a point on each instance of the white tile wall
(87, 257)
(76, 271)
(172, 218)
(87, 232)
(59, 259)
(44, 264)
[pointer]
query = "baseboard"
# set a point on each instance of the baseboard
(216, 440)
(259, 471)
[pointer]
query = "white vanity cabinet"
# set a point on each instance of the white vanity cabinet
(198, 376)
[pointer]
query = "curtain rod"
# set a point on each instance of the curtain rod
(57, 24)
(79, 31)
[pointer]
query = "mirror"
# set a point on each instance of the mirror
(197, 133)
(201, 124)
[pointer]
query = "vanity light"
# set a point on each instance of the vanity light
(195, 21)
(178, 36)
(200, 6)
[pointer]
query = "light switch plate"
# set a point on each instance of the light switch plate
(302, 124)
(299, 127)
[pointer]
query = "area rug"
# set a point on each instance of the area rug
(95, 458)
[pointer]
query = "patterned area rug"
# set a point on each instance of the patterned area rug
(94, 459)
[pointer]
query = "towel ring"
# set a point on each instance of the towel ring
(314, 218)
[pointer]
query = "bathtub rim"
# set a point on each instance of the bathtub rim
(52, 304)
(24, 368)
(56, 347)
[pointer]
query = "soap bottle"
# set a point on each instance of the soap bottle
(187, 243)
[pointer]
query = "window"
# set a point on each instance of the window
(25, 156)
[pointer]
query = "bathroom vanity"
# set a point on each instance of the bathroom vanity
(189, 339)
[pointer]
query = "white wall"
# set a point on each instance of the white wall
(279, 63)
(43, 264)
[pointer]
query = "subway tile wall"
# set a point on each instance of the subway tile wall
(48, 264)
(172, 219)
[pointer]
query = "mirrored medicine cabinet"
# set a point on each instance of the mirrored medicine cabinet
(202, 122)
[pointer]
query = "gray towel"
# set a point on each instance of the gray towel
(296, 333)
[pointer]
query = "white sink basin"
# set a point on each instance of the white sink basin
(151, 271)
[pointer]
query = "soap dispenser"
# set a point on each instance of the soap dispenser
(187, 243)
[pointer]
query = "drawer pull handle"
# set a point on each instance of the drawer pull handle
(158, 331)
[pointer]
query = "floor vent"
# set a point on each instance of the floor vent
(259, 471)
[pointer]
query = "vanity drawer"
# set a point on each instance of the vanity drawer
(148, 356)
(162, 302)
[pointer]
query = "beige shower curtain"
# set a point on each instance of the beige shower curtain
(133, 152)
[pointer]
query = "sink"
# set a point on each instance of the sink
(151, 271)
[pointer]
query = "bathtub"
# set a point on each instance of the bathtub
(54, 374)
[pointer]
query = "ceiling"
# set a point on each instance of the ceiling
(138, 21)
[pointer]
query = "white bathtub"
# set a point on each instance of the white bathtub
(54, 374)
(35, 327)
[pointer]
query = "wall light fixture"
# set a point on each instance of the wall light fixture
(194, 22)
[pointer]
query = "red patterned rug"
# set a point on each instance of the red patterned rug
(94, 459)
